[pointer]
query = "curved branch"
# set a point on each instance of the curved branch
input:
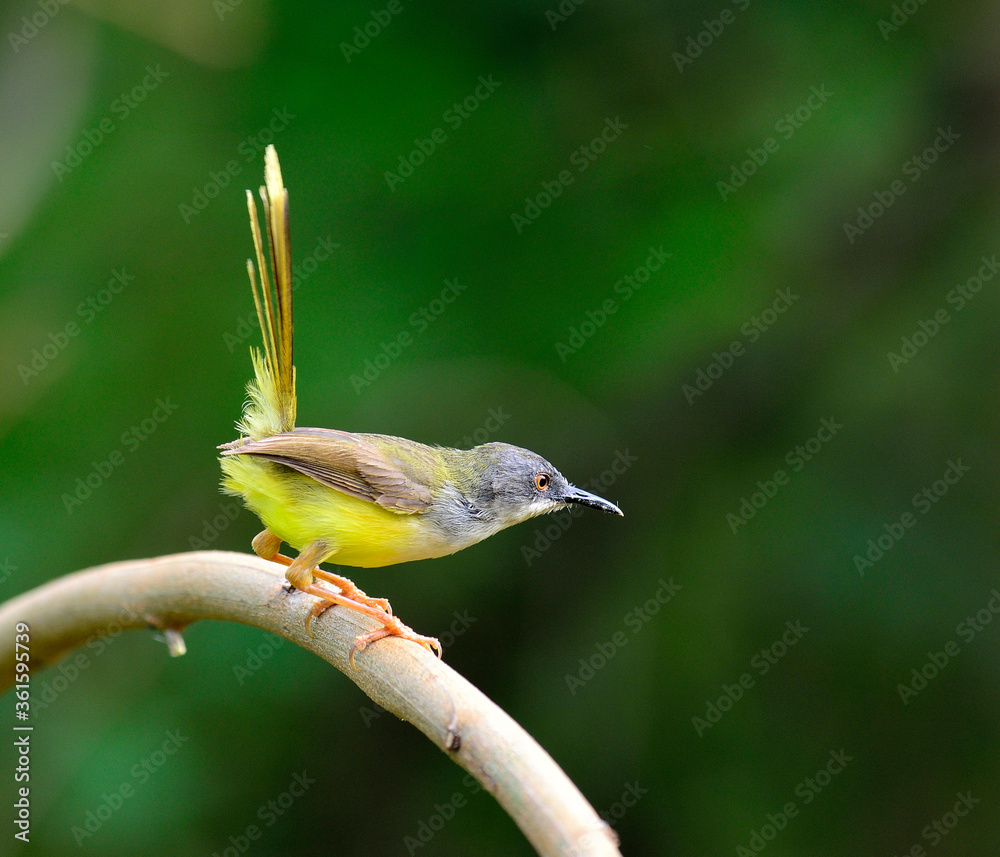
(171, 592)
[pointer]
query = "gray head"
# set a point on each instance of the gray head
(517, 484)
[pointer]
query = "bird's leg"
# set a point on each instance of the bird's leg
(349, 590)
(266, 544)
(302, 572)
(394, 628)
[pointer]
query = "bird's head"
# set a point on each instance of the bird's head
(517, 484)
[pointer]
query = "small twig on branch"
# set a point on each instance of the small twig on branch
(172, 592)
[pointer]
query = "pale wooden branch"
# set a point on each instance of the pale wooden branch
(171, 592)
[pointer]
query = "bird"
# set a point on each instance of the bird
(358, 499)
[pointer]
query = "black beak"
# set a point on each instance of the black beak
(585, 498)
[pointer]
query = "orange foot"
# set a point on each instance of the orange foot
(346, 587)
(391, 626)
(353, 598)
(349, 590)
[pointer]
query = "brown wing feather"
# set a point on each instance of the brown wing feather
(350, 463)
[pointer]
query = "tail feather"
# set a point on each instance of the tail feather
(270, 406)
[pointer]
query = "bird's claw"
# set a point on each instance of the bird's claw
(394, 628)
(391, 626)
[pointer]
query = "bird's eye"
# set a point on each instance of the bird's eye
(542, 481)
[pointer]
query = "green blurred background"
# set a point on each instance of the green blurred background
(181, 97)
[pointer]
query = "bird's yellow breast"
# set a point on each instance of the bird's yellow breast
(300, 510)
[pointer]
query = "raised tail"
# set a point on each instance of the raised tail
(270, 408)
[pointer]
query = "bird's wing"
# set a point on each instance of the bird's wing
(347, 462)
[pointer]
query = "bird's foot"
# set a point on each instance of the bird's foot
(349, 590)
(304, 573)
(391, 626)
(266, 545)
(394, 628)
